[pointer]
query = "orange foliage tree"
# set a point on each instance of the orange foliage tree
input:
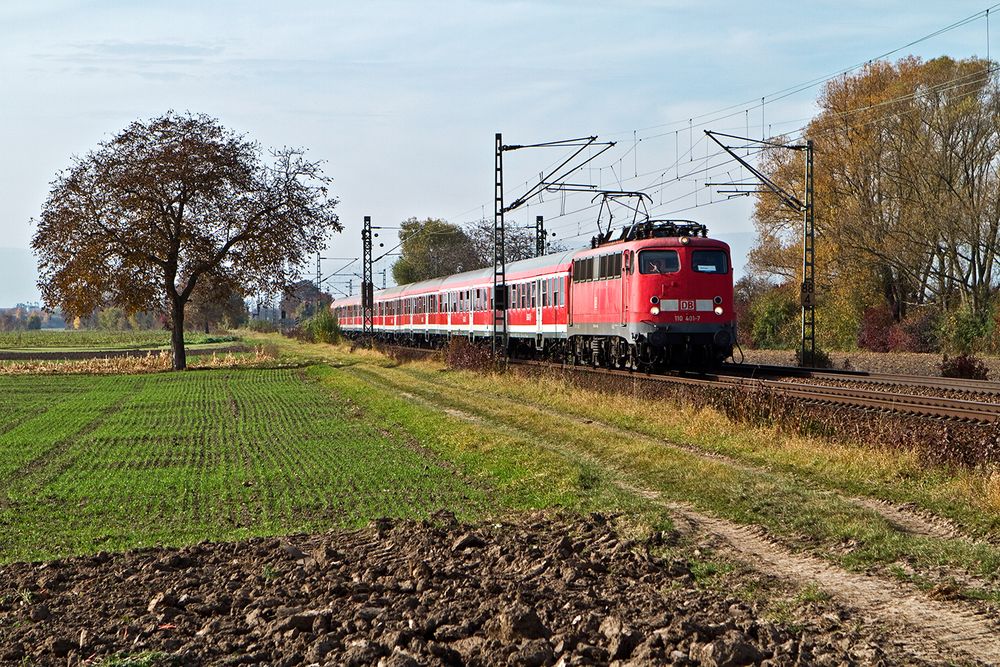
(173, 202)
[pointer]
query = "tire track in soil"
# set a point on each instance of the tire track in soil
(936, 627)
(905, 519)
(939, 629)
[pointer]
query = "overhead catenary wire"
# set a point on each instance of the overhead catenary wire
(706, 168)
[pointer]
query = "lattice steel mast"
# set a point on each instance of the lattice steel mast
(367, 285)
(807, 290)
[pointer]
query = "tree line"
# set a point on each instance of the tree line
(907, 211)
(433, 247)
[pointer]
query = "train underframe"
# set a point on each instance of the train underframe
(694, 350)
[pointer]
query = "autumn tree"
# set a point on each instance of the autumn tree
(302, 299)
(907, 191)
(216, 302)
(431, 248)
(519, 242)
(173, 201)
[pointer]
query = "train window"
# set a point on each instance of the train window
(709, 261)
(659, 261)
(545, 292)
(616, 265)
(534, 294)
(576, 270)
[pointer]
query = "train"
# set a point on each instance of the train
(659, 294)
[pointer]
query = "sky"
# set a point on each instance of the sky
(402, 99)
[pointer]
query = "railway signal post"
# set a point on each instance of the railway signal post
(539, 236)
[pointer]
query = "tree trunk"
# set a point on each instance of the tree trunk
(177, 335)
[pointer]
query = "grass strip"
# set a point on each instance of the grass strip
(834, 528)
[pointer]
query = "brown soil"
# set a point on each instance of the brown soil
(538, 591)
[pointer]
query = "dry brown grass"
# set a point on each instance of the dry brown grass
(149, 363)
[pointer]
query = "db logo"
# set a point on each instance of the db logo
(687, 305)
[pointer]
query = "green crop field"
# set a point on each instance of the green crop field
(107, 462)
(90, 463)
(54, 339)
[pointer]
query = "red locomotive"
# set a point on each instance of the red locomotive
(661, 294)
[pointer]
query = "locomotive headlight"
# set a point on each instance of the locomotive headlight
(655, 310)
(719, 310)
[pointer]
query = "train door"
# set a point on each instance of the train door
(568, 291)
(626, 284)
(539, 338)
(470, 306)
(538, 306)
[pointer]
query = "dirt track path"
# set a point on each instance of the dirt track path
(931, 629)
(934, 627)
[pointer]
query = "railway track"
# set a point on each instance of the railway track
(900, 394)
(876, 399)
(958, 385)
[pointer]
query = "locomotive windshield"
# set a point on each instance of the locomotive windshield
(709, 261)
(659, 261)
